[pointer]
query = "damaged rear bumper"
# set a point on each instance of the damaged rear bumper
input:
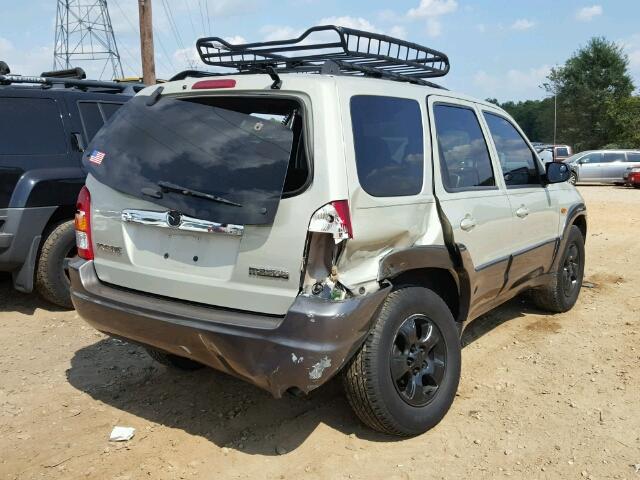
(303, 349)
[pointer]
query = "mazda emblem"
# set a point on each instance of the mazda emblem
(174, 218)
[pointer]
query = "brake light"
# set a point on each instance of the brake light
(83, 224)
(334, 218)
(206, 84)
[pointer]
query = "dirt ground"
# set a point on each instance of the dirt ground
(541, 396)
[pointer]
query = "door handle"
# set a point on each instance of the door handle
(467, 223)
(522, 211)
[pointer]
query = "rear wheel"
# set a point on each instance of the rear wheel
(561, 294)
(171, 360)
(52, 273)
(404, 378)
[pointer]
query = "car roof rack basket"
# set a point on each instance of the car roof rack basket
(350, 52)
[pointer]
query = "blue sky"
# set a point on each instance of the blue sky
(497, 48)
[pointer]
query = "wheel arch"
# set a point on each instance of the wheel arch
(430, 267)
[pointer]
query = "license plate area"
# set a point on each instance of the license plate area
(181, 252)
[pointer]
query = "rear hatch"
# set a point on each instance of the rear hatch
(186, 194)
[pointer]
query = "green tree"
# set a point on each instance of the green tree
(594, 94)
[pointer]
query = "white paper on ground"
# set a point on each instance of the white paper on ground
(122, 434)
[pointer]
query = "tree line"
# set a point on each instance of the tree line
(596, 107)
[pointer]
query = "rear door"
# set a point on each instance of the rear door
(32, 137)
(186, 201)
(535, 210)
(471, 193)
(613, 166)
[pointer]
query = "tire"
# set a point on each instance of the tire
(573, 178)
(52, 281)
(174, 361)
(383, 402)
(561, 294)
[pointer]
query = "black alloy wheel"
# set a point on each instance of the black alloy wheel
(418, 360)
(571, 270)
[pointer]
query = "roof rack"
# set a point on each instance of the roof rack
(71, 83)
(353, 52)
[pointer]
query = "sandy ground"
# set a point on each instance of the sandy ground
(541, 396)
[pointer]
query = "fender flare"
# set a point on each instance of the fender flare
(430, 256)
(67, 179)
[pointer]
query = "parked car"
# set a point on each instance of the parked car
(46, 122)
(553, 153)
(298, 222)
(602, 166)
(633, 177)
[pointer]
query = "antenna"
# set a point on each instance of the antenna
(84, 34)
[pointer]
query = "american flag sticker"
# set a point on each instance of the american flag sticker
(96, 157)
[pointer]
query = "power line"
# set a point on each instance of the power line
(174, 28)
(208, 17)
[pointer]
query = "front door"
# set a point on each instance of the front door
(590, 167)
(535, 211)
(471, 194)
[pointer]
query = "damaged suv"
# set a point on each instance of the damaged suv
(326, 209)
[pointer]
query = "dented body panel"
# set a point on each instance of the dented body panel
(302, 349)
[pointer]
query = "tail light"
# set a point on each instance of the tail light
(329, 226)
(83, 225)
(333, 218)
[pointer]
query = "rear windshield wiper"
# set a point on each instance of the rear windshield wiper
(172, 187)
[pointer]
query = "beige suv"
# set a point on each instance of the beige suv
(327, 209)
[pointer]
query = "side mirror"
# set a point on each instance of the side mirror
(557, 172)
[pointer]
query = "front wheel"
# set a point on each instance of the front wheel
(404, 378)
(561, 293)
(573, 178)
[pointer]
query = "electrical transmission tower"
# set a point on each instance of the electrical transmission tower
(84, 34)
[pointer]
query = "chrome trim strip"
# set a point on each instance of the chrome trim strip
(185, 223)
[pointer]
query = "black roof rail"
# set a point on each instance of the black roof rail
(352, 52)
(77, 73)
(71, 83)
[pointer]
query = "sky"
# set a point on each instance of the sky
(497, 48)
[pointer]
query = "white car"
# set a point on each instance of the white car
(319, 214)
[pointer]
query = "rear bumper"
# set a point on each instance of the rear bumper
(303, 349)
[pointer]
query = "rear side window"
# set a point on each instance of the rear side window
(108, 109)
(633, 157)
(464, 157)
(388, 141)
(608, 157)
(519, 164)
(562, 152)
(31, 126)
(94, 115)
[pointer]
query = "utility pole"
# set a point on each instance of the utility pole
(146, 42)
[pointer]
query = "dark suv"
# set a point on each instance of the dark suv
(46, 123)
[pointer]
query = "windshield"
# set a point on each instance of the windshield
(221, 165)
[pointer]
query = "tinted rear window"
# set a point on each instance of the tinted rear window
(388, 142)
(562, 152)
(91, 118)
(31, 126)
(464, 156)
(608, 157)
(217, 152)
